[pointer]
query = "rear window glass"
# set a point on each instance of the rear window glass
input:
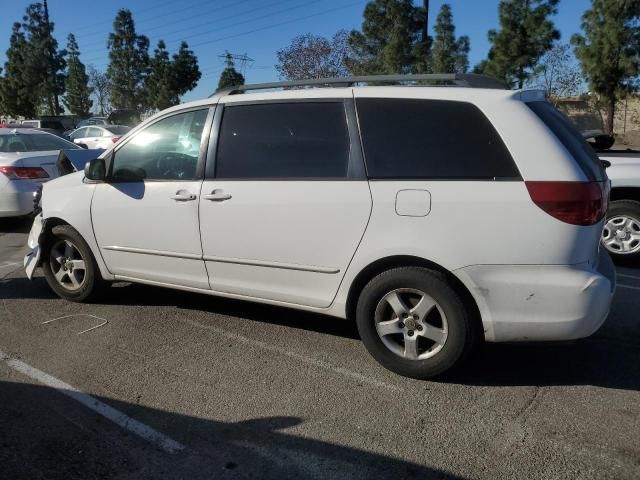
(431, 139)
(26, 142)
(118, 130)
(571, 138)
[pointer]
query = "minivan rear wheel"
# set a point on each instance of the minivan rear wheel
(621, 233)
(69, 266)
(414, 323)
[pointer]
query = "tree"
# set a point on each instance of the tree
(101, 86)
(393, 39)
(609, 50)
(185, 70)
(312, 56)
(449, 55)
(525, 34)
(159, 88)
(128, 63)
(169, 79)
(230, 77)
(45, 64)
(34, 68)
(17, 85)
(558, 73)
(77, 98)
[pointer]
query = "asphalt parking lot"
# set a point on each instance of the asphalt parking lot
(152, 383)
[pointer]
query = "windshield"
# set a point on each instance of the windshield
(33, 142)
(118, 130)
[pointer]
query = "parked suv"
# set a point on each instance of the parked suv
(433, 217)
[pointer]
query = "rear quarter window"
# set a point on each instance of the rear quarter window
(570, 137)
(431, 139)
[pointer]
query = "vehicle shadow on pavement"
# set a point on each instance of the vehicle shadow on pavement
(15, 225)
(609, 359)
(47, 435)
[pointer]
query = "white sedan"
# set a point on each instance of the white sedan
(27, 158)
(95, 136)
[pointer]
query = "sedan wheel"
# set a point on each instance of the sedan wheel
(621, 235)
(67, 265)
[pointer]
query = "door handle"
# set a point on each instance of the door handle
(217, 195)
(182, 196)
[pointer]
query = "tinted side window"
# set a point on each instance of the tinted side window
(431, 139)
(285, 140)
(571, 138)
(165, 150)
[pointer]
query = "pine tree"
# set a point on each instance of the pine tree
(18, 86)
(450, 55)
(230, 77)
(392, 39)
(185, 70)
(159, 88)
(170, 79)
(609, 50)
(77, 98)
(525, 34)
(128, 63)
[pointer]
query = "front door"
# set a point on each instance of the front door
(146, 216)
(284, 213)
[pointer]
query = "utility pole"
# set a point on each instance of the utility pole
(55, 105)
(425, 33)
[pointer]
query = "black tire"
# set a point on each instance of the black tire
(92, 284)
(461, 337)
(629, 209)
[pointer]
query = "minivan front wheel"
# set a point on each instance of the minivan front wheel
(413, 322)
(69, 266)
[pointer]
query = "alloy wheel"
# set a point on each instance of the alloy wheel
(67, 265)
(411, 324)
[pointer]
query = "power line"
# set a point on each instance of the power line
(260, 28)
(138, 12)
(306, 17)
(208, 23)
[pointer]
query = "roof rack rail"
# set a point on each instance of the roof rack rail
(468, 80)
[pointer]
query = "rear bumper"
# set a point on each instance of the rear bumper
(16, 197)
(541, 303)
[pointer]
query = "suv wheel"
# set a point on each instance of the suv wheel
(621, 233)
(69, 266)
(413, 323)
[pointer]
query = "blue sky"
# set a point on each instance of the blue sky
(255, 27)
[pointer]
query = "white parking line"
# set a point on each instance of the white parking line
(5, 265)
(630, 287)
(149, 434)
(627, 276)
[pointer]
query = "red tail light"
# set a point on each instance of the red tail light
(24, 173)
(115, 139)
(577, 203)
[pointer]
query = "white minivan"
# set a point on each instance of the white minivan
(434, 216)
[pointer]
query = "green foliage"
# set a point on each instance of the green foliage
(185, 70)
(230, 77)
(77, 98)
(33, 73)
(128, 63)
(525, 34)
(609, 50)
(169, 79)
(449, 55)
(392, 40)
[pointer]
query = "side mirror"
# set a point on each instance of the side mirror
(95, 170)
